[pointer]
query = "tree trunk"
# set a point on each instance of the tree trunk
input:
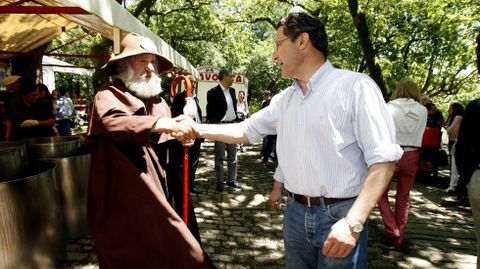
(367, 47)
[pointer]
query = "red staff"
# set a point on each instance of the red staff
(188, 88)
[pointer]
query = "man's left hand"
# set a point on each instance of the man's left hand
(340, 241)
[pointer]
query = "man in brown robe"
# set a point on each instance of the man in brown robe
(131, 220)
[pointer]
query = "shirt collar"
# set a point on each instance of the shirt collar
(316, 77)
(221, 86)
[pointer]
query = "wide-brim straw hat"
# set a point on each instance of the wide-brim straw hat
(131, 45)
(10, 80)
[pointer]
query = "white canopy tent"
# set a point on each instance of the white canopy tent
(25, 25)
(51, 65)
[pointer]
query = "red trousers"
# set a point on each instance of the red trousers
(405, 172)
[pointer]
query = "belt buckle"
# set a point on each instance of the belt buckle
(308, 202)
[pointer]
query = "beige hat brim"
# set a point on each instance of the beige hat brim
(110, 68)
(9, 80)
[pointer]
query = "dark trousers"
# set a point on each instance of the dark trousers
(3, 130)
(193, 157)
(64, 127)
(268, 146)
(174, 169)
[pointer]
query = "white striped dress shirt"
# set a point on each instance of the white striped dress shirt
(327, 139)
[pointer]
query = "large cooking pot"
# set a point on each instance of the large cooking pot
(72, 174)
(31, 220)
(13, 160)
(53, 147)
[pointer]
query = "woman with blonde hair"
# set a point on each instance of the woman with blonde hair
(410, 118)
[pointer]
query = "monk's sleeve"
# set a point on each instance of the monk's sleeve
(122, 118)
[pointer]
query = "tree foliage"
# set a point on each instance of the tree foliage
(434, 42)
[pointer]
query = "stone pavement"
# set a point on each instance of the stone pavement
(240, 230)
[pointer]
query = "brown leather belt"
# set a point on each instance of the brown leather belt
(227, 121)
(311, 201)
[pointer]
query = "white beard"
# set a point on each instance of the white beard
(141, 86)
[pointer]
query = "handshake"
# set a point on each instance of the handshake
(182, 128)
(185, 129)
(29, 123)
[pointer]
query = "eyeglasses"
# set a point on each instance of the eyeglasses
(279, 42)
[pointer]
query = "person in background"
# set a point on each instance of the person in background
(424, 100)
(242, 113)
(242, 106)
(80, 106)
(431, 144)
(132, 222)
(435, 117)
(410, 118)
(12, 85)
(336, 149)
(29, 115)
(55, 95)
(268, 143)
(452, 125)
(46, 97)
(178, 105)
(467, 158)
(65, 113)
(176, 151)
(222, 108)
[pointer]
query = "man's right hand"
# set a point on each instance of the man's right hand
(181, 127)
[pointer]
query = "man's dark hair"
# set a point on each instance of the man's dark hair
(27, 87)
(430, 106)
(297, 23)
(43, 88)
(223, 73)
(62, 91)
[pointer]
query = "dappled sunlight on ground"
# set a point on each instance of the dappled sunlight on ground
(240, 230)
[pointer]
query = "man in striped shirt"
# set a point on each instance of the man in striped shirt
(335, 144)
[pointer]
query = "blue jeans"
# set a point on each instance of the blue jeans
(305, 230)
(63, 127)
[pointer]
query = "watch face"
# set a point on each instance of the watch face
(357, 228)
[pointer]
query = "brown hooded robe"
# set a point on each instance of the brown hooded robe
(132, 223)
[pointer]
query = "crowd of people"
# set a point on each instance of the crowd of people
(419, 126)
(336, 143)
(30, 110)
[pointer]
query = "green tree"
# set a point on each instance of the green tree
(432, 42)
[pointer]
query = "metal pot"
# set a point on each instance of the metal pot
(30, 213)
(53, 147)
(13, 160)
(72, 174)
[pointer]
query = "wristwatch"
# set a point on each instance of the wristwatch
(356, 226)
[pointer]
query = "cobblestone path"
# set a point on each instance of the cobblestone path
(240, 230)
